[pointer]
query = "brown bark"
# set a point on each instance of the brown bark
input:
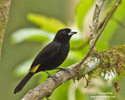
(97, 62)
(87, 65)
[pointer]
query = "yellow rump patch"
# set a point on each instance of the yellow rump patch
(34, 69)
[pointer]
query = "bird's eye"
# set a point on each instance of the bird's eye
(64, 32)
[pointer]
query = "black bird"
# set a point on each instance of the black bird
(50, 57)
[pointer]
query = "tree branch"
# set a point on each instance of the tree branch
(88, 64)
(93, 62)
(4, 12)
(93, 28)
(100, 32)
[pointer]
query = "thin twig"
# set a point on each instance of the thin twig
(100, 32)
(46, 88)
(93, 62)
(93, 28)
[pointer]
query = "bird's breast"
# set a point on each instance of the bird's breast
(61, 55)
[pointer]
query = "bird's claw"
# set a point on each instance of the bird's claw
(53, 77)
(65, 69)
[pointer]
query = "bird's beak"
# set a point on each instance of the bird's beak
(72, 32)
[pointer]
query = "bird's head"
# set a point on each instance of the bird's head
(64, 35)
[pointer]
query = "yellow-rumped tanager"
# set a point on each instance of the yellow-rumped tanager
(50, 56)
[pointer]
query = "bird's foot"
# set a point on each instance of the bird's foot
(53, 77)
(65, 69)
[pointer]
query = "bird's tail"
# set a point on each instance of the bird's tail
(23, 82)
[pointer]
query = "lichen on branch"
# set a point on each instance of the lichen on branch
(100, 62)
(93, 65)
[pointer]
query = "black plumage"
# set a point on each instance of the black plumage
(50, 57)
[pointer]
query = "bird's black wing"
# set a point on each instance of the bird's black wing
(47, 53)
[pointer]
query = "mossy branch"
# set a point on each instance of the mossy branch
(96, 62)
(102, 62)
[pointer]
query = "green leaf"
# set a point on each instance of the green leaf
(30, 34)
(22, 68)
(46, 23)
(77, 43)
(81, 10)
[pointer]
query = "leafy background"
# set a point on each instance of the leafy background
(33, 25)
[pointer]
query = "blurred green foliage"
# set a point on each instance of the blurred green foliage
(112, 24)
(81, 10)
(46, 23)
(30, 34)
(45, 33)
